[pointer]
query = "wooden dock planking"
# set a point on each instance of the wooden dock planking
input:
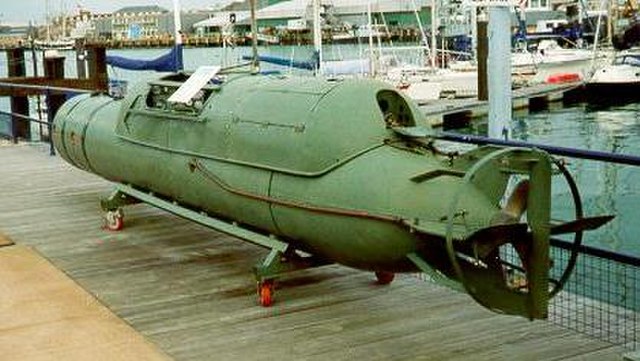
(191, 291)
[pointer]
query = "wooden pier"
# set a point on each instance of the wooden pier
(456, 113)
(190, 290)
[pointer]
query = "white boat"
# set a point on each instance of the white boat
(550, 64)
(266, 38)
(419, 83)
(621, 75)
(617, 82)
(61, 42)
(57, 44)
(550, 59)
(378, 64)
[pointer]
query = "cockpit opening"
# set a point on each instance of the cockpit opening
(395, 109)
(161, 90)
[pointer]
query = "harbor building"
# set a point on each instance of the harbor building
(135, 22)
(297, 14)
(341, 19)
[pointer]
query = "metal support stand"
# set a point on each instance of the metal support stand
(117, 200)
(282, 258)
(114, 216)
(276, 264)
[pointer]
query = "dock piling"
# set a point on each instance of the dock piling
(482, 50)
(97, 64)
(53, 69)
(20, 128)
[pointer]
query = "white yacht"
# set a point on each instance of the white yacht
(621, 75)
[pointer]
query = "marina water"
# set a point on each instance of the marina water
(605, 188)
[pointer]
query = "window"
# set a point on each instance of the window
(537, 4)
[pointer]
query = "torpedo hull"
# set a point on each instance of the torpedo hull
(352, 215)
(327, 168)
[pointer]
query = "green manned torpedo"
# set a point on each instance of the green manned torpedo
(321, 172)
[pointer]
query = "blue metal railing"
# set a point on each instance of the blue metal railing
(556, 150)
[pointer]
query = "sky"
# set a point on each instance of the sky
(16, 12)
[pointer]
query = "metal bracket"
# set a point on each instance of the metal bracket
(116, 200)
(435, 275)
(282, 258)
(204, 219)
(277, 263)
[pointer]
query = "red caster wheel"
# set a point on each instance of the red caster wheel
(265, 293)
(384, 278)
(114, 220)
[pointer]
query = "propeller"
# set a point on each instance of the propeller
(515, 206)
(515, 279)
(583, 224)
(507, 228)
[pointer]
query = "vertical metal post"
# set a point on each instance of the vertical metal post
(499, 71)
(20, 128)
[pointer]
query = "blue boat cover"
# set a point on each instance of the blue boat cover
(311, 64)
(171, 61)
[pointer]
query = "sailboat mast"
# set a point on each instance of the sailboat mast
(177, 28)
(434, 29)
(254, 36)
(63, 11)
(596, 37)
(372, 62)
(48, 19)
(177, 22)
(416, 12)
(317, 32)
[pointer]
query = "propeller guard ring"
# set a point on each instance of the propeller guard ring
(537, 165)
(577, 238)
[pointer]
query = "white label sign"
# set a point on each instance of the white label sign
(193, 85)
